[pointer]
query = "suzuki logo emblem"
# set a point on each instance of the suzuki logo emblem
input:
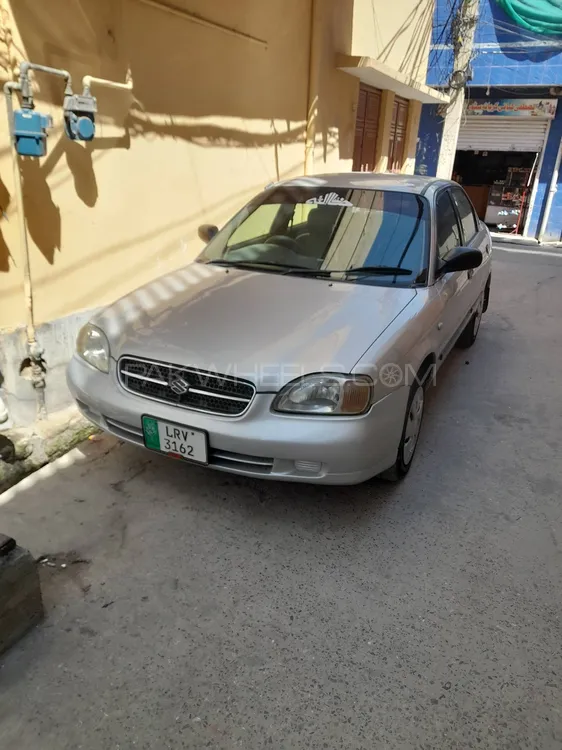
(179, 386)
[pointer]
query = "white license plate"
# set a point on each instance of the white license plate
(175, 440)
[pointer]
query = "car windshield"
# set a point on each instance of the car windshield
(369, 236)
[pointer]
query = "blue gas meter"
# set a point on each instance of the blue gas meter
(30, 132)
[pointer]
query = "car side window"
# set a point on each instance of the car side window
(448, 230)
(466, 213)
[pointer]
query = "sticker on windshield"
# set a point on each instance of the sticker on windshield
(330, 199)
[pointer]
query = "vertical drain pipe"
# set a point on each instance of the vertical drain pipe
(314, 71)
(34, 349)
(552, 188)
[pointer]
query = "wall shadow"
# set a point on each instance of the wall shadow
(4, 249)
(42, 214)
(418, 25)
(80, 164)
(210, 135)
(4, 255)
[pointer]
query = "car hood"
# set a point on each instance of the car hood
(264, 327)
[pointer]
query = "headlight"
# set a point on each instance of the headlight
(92, 345)
(326, 394)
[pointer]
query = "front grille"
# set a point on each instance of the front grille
(185, 386)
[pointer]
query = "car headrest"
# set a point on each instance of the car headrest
(322, 219)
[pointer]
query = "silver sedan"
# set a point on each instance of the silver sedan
(299, 345)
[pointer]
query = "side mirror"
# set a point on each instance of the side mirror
(461, 259)
(206, 232)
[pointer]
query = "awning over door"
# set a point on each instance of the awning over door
(481, 133)
(374, 73)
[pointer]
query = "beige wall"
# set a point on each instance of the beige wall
(213, 119)
(395, 33)
(338, 92)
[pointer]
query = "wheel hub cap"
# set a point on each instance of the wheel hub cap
(413, 424)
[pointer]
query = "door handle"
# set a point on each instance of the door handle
(470, 273)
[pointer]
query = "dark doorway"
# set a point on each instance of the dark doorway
(499, 183)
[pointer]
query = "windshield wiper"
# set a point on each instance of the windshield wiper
(251, 264)
(364, 270)
(289, 269)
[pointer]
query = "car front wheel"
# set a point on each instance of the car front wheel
(410, 434)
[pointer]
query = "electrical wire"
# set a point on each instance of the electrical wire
(451, 33)
(448, 40)
(446, 28)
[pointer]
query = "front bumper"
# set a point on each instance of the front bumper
(260, 443)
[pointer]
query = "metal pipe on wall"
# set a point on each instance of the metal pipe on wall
(89, 81)
(552, 188)
(536, 182)
(35, 351)
(25, 86)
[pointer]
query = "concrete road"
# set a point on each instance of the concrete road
(200, 610)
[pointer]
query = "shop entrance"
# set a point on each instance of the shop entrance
(499, 183)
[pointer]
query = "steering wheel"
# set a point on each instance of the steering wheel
(288, 242)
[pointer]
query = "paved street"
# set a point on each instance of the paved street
(201, 610)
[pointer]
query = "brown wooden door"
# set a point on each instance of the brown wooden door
(366, 129)
(397, 134)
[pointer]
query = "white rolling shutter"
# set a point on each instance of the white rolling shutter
(487, 133)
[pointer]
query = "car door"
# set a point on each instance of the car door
(449, 286)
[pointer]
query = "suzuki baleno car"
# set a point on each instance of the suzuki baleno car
(299, 344)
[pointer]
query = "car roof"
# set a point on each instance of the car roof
(404, 183)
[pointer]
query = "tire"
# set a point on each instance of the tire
(468, 336)
(487, 295)
(410, 434)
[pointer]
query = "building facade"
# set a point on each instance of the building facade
(509, 140)
(226, 97)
